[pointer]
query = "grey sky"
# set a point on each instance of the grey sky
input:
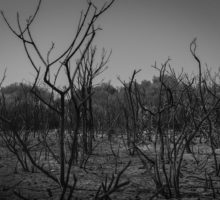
(139, 32)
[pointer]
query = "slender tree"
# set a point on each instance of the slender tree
(81, 42)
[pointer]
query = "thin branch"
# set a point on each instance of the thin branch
(3, 78)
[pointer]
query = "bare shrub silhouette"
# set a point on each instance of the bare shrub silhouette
(73, 104)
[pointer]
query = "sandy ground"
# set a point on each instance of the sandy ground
(102, 164)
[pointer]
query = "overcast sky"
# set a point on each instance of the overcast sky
(139, 32)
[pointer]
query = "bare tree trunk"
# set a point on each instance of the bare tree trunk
(62, 138)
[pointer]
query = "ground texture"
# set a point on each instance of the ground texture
(102, 164)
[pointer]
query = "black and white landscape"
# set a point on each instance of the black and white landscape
(113, 99)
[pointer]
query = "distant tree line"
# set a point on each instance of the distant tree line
(25, 109)
(108, 103)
